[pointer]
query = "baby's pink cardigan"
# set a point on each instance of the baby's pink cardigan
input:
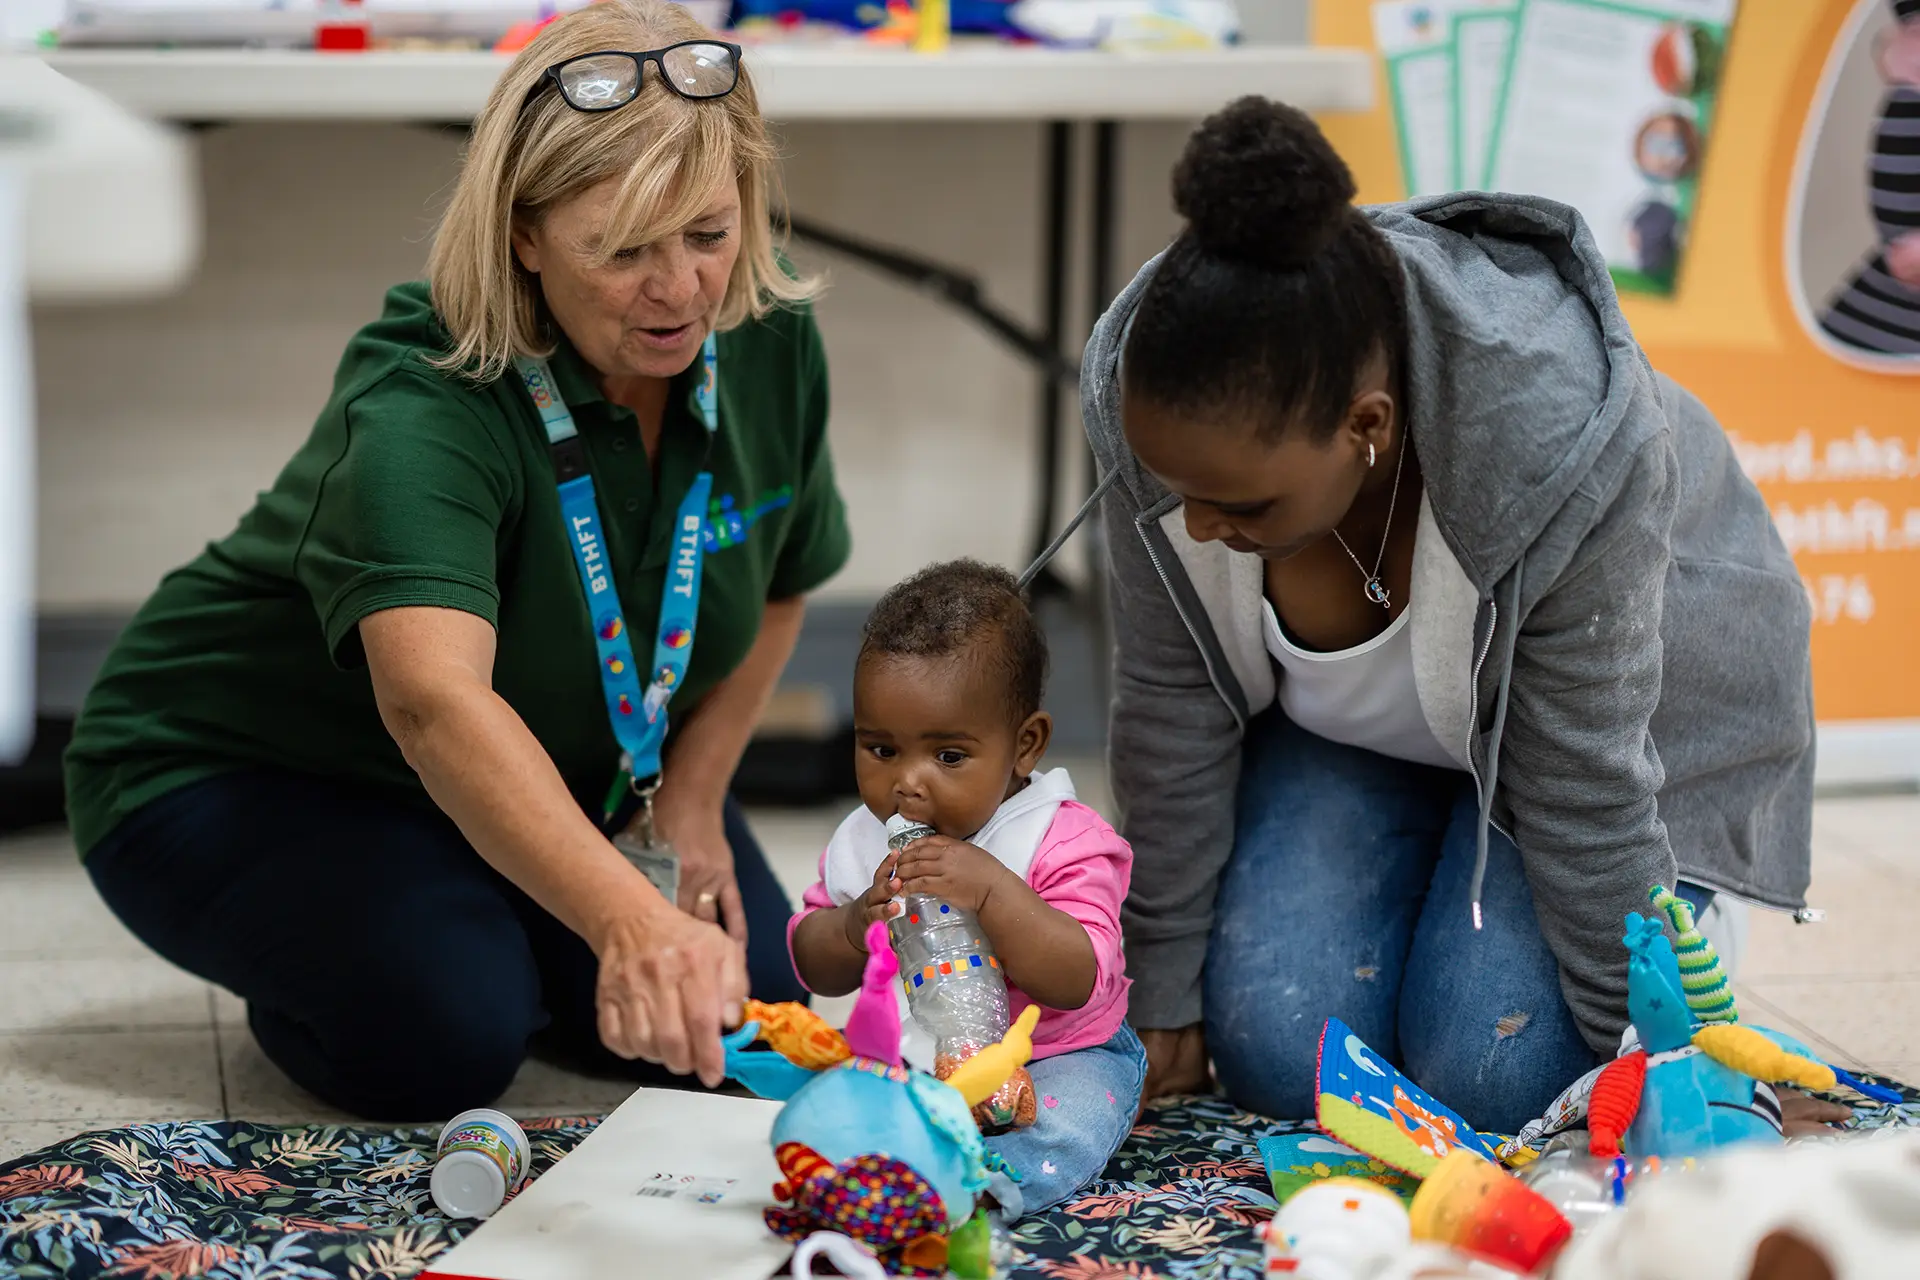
(1081, 868)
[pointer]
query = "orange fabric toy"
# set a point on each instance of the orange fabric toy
(1615, 1102)
(798, 1034)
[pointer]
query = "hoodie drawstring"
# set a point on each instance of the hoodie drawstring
(1086, 509)
(1493, 745)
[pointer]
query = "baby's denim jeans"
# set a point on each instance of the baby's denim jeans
(1087, 1103)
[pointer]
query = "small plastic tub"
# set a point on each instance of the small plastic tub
(481, 1157)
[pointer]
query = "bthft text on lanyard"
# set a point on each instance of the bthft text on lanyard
(639, 718)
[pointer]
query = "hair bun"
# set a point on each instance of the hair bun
(1260, 183)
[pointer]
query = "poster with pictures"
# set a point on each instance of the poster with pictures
(1602, 105)
(1426, 77)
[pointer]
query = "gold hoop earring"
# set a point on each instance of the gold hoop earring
(1369, 455)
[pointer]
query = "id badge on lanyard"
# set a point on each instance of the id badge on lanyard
(653, 857)
(638, 716)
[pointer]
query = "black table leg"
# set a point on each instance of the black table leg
(957, 288)
(1103, 204)
(1044, 349)
(1106, 176)
(1053, 326)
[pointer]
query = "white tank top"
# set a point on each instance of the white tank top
(1364, 696)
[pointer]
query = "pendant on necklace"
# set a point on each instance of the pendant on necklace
(1377, 592)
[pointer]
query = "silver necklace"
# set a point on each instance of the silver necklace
(1375, 589)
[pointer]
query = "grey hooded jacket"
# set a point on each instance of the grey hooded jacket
(1617, 650)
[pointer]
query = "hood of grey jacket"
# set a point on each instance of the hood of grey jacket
(1638, 629)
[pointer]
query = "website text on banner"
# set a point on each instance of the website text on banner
(1795, 309)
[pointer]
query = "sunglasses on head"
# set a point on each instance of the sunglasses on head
(697, 70)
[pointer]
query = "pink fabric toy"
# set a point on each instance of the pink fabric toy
(873, 1028)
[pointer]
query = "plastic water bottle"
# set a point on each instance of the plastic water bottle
(955, 987)
(1588, 1188)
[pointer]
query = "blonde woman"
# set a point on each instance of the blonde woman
(361, 761)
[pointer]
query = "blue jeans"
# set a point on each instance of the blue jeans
(1087, 1102)
(1347, 896)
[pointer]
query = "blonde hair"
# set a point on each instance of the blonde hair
(669, 154)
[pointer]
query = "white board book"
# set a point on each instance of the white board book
(673, 1183)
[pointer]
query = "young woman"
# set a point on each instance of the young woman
(1445, 627)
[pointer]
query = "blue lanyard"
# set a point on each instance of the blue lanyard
(639, 718)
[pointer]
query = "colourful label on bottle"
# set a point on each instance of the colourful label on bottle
(946, 968)
(489, 1140)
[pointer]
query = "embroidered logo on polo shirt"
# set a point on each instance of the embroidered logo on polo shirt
(729, 524)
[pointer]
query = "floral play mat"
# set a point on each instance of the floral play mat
(1183, 1200)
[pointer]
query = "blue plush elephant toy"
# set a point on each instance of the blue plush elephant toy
(871, 1150)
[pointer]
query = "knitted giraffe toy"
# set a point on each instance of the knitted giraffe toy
(1697, 1080)
(1702, 980)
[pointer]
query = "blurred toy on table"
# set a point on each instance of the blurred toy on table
(507, 25)
(1086, 24)
(338, 24)
(1130, 24)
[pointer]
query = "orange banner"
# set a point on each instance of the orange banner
(1789, 312)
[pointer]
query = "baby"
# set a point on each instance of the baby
(948, 731)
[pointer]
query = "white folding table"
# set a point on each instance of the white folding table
(95, 204)
(814, 82)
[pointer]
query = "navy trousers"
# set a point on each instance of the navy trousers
(386, 967)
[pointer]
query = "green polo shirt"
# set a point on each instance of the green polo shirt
(419, 487)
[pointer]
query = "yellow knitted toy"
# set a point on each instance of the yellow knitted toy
(1752, 1054)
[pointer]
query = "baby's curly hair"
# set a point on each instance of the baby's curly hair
(951, 607)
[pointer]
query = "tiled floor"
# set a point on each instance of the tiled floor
(95, 1031)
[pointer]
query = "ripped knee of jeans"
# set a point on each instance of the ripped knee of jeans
(1510, 1025)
